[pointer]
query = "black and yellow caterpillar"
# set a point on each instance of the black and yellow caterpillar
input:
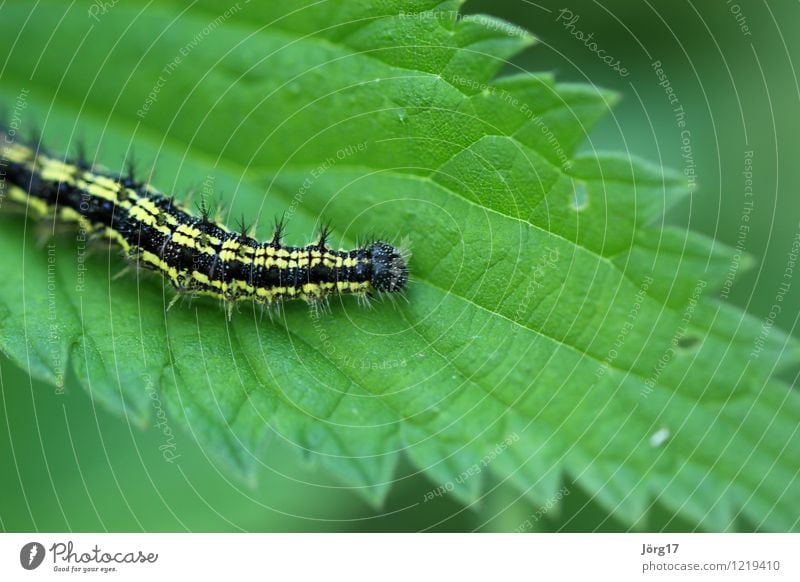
(198, 255)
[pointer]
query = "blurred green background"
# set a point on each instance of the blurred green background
(739, 89)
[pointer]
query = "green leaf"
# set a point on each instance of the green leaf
(552, 329)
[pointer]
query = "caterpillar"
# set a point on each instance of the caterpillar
(196, 254)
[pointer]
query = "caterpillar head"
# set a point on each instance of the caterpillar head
(389, 268)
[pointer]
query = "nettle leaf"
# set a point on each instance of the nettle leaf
(552, 328)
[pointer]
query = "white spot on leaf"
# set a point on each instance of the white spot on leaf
(580, 196)
(659, 437)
